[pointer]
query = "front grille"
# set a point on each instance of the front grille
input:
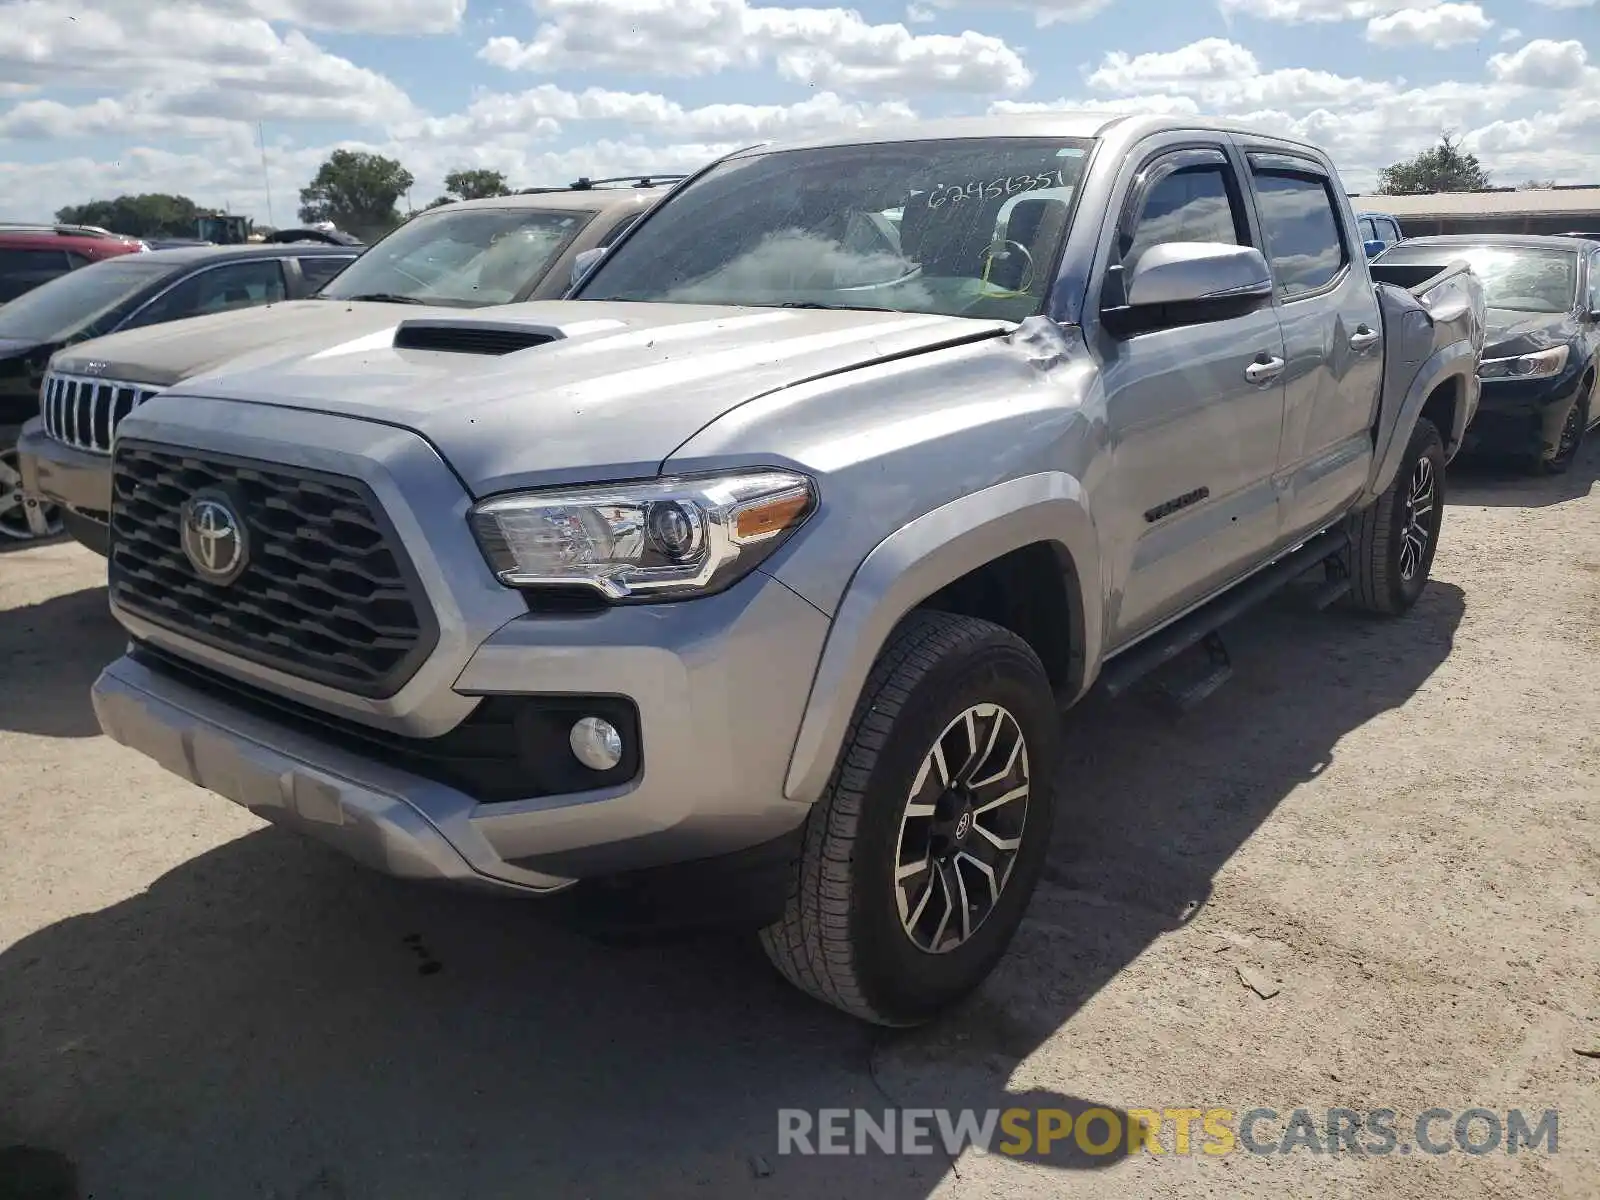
(83, 412)
(326, 592)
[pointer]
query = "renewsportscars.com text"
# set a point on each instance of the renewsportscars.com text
(1038, 1133)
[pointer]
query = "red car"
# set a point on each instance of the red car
(35, 254)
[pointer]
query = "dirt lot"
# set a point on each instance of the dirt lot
(1396, 825)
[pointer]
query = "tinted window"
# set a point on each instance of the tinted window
(217, 289)
(1369, 230)
(1191, 205)
(72, 302)
(961, 226)
(461, 256)
(22, 261)
(1302, 230)
(620, 228)
(318, 271)
(1391, 231)
(1594, 282)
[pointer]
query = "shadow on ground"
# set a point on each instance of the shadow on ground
(50, 653)
(267, 1020)
(1496, 483)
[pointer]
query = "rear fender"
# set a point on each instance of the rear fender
(912, 564)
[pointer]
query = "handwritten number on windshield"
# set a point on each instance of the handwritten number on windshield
(993, 189)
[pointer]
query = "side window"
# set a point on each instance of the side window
(1594, 282)
(1301, 224)
(1192, 204)
(318, 271)
(33, 262)
(1369, 230)
(237, 285)
(620, 228)
(1391, 232)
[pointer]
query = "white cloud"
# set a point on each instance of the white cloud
(1439, 27)
(1567, 3)
(1224, 76)
(1542, 63)
(187, 61)
(343, 16)
(827, 47)
(1045, 12)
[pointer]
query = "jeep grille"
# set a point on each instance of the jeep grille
(327, 594)
(83, 412)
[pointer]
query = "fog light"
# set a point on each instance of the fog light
(596, 743)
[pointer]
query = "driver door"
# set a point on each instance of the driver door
(1194, 412)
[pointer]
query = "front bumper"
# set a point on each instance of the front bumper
(719, 684)
(1521, 417)
(77, 481)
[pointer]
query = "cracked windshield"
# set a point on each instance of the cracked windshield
(961, 227)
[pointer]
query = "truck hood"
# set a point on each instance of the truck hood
(173, 351)
(612, 391)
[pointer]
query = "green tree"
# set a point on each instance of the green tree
(152, 214)
(1536, 185)
(357, 191)
(1442, 168)
(471, 185)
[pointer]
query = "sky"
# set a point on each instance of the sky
(235, 102)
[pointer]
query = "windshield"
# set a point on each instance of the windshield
(963, 227)
(54, 311)
(1518, 278)
(465, 257)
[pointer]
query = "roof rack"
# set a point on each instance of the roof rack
(583, 183)
(58, 227)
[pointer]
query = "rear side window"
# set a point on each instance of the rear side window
(217, 289)
(1594, 282)
(1190, 205)
(1369, 230)
(1301, 225)
(318, 271)
(1391, 231)
(30, 261)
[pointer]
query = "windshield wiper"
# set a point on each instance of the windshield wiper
(380, 297)
(830, 307)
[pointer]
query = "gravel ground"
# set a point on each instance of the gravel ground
(1389, 828)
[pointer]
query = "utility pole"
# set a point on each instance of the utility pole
(266, 178)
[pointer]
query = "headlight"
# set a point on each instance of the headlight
(659, 538)
(1529, 366)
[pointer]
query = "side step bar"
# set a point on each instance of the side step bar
(1155, 652)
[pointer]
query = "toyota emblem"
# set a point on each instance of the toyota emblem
(214, 538)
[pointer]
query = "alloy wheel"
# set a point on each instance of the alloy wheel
(962, 828)
(1417, 526)
(21, 519)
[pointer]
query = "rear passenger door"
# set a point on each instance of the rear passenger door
(1332, 336)
(1193, 411)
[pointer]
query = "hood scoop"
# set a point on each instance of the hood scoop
(470, 335)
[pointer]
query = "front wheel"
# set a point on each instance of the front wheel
(921, 856)
(1392, 541)
(1569, 441)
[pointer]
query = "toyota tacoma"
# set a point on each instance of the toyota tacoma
(759, 568)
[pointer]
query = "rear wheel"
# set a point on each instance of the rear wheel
(921, 856)
(1392, 541)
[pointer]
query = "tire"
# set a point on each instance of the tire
(1387, 570)
(845, 937)
(1570, 440)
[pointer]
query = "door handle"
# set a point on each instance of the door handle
(1364, 338)
(1264, 370)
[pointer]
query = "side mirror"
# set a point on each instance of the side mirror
(584, 262)
(1373, 248)
(1186, 283)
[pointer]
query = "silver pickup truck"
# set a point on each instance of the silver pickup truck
(753, 577)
